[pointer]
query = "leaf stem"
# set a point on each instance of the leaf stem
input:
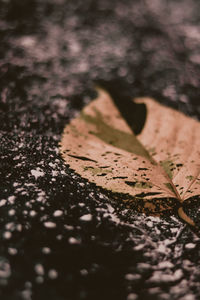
(185, 217)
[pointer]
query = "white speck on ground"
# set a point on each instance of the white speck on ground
(46, 250)
(37, 173)
(39, 269)
(132, 277)
(132, 296)
(73, 241)
(159, 276)
(143, 266)
(68, 227)
(165, 265)
(139, 247)
(5, 270)
(11, 199)
(162, 249)
(40, 279)
(150, 224)
(11, 212)
(12, 251)
(27, 294)
(55, 173)
(33, 213)
(53, 274)
(49, 224)
(59, 237)
(83, 272)
(52, 165)
(190, 246)
(7, 235)
(58, 213)
(2, 202)
(87, 217)
(27, 41)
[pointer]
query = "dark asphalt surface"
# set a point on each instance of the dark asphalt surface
(61, 237)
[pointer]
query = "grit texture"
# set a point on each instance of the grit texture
(62, 238)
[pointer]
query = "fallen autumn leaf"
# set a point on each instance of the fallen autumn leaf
(155, 169)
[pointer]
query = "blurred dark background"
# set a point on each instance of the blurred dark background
(51, 52)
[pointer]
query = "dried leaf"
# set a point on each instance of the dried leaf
(157, 168)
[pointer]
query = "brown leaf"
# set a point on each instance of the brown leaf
(161, 163)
